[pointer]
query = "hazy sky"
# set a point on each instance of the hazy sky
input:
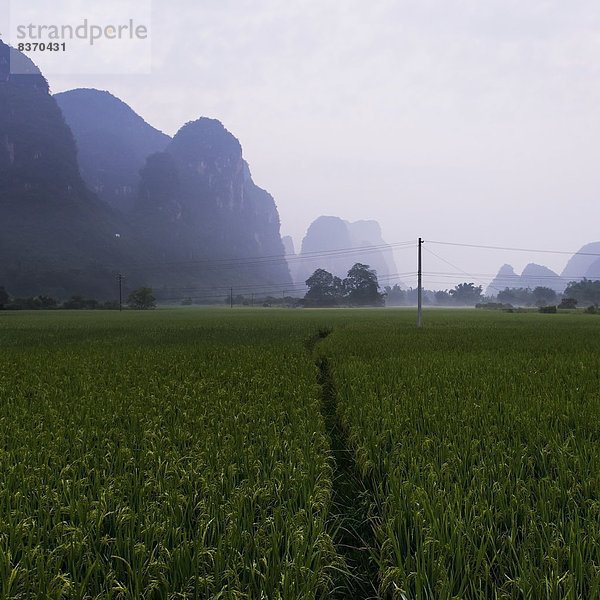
(454, 120)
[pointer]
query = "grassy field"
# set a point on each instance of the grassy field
(248, 454)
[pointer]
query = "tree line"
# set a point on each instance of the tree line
(577, 293)
(139, 299)
(359, 288)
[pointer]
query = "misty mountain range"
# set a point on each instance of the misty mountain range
(532, 276)
(88, 190)
(335, 245)
(584, 264)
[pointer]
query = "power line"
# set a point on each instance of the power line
(276, 288)
(222, 264)
(269, 288)
(506, 278)
(447, 262)
(514, 249)
(490, 285)
(252, 261)
(433, 277)
(235, 262)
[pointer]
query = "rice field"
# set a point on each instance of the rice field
(478, 439)
(238, 454)
(160, 456)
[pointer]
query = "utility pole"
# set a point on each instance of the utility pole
(419, 291)
(283, 298)
(252, 299)
(231, 298)
(120, 279)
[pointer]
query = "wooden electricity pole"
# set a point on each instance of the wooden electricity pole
(120, 279)
(419, 290)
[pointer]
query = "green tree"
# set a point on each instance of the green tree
(361, 286)
(466, 294)
(46, 302)
(443, 297)
(395, 296)
(323, 288)
(142, 298)
(339, 290)
(543, 296)
(585, 291)
(77, 301)
(568, 303)
(516, 296)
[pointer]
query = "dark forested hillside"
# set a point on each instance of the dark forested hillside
(56, 237)
(197, 202)
(181, 215)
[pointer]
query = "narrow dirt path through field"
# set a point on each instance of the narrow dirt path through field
(350, 522)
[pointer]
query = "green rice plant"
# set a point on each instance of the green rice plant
(184, 453)
(478, 437)
(179, 454)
